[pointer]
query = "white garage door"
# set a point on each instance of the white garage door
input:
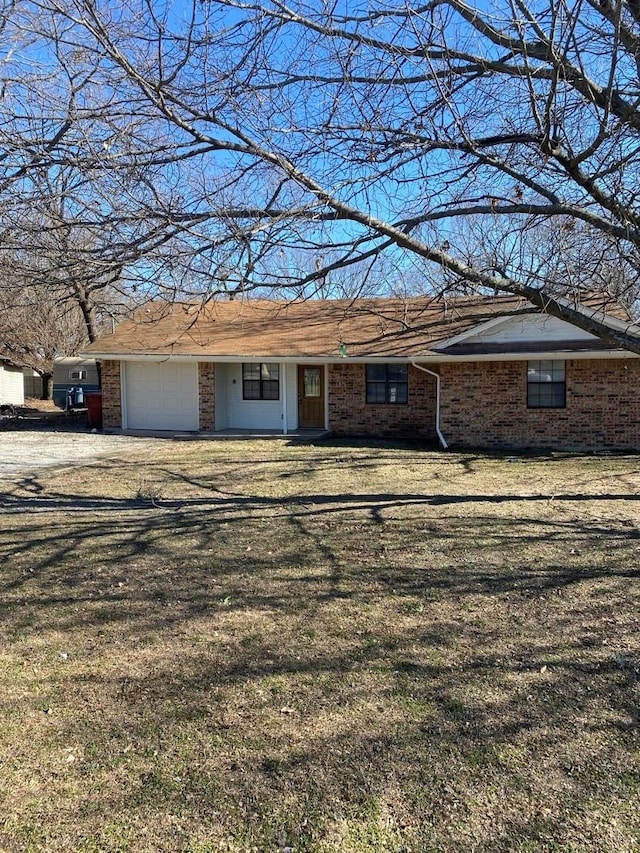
(161, 396)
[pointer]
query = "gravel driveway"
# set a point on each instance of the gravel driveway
(25, 451)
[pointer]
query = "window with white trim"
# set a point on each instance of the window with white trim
(546, 384)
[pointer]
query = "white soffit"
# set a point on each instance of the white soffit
(526, 327)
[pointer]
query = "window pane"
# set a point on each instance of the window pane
(546, 395)
(311, 381)
(533, 372)
(251, 389)
(545, 371)
(398, 392)
(270, 371)
(251, 371)
(376, 392)
(376, 372)
(552, 395)
(397, 372)
(270, 390)
(533, 396)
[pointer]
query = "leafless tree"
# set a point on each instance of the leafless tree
(358, 138)
(56, 292)
(36, 327)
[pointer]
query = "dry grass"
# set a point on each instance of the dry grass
(34, 404)
(254, 646)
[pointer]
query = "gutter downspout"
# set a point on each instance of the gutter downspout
(441, 438)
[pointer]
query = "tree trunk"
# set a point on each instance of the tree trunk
(88, 311)
(47, 386)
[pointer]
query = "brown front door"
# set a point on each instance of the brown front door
(310, 397)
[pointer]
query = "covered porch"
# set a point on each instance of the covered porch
(265, 399)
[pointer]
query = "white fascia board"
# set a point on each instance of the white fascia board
(601, 316)
(425, 358)
(155, 358)
(551, 355)
(257, 359)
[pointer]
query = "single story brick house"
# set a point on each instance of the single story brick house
(484, 372)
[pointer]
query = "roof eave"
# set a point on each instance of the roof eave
(427, 357)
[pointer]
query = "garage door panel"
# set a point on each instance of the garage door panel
(162, 396)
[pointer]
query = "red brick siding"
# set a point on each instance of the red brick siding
(350, 414)
(207, 395)
(484, 404)
(111, 395)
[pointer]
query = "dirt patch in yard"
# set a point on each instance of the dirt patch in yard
(254, 646)
(41, 415)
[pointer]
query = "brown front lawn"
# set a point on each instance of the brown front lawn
(251, 646)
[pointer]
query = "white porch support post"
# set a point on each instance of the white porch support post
(283, 391)
(124, 415)
(325, 376)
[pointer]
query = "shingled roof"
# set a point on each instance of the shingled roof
(259, 328)
(303, 329)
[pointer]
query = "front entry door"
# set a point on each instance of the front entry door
(310, 397)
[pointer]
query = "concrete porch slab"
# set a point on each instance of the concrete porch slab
(240, 434)
(229, 434)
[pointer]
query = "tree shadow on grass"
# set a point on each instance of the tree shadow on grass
(88, 523)
(279, 740)
(365, 663)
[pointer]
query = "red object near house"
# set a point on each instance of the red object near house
(93, 402)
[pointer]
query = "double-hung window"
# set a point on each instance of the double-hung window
(261, 381)
(387, 383)
(546, 385)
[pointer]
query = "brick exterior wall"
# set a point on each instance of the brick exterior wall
(350, 414)
(484, 405)
(207, 396)
(111, 395)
